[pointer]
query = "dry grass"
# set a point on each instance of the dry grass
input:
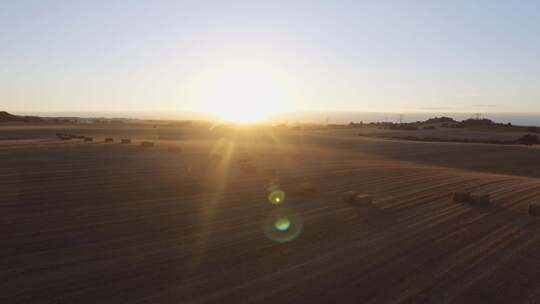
(84, 224)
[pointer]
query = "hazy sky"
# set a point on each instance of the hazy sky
(470, 56)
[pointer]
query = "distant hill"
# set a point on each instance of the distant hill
(478, 122)
(7, 117)
(442, 119)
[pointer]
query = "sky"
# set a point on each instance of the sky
(263, 56)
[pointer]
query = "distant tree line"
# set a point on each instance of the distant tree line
(435, 123)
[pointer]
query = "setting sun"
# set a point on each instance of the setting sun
(244, 95)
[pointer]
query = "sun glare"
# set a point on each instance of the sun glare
(244, 96)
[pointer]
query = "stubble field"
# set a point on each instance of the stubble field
(96, 222)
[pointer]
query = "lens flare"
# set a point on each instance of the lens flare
(283, 225)
(276, 197)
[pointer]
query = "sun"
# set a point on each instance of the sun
(244, 95)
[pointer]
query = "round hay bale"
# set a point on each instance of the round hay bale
(534, 209)
(147, 144)
(125, 141)
(482, 199)
(462, 196)
(109, 139)
(349, 196)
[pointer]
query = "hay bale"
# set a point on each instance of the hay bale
(147, 144)
(349, 196)
(109, 139)
(125, 141)
(362, 199)
(483, 199)
(88, 139)
(534, 209)
(174, 149)
(63, 136)
(462, 196)
(355, 198)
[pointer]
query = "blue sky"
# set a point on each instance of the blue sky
(162, 56)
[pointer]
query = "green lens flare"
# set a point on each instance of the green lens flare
(276, 197)
(282, 224)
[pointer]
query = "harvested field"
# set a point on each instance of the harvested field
(174, 149)
(534, 209)
(462, 196)
(105, 223)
